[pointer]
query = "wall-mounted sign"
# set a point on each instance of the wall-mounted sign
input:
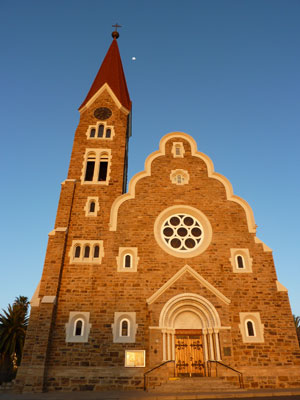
(135, 358)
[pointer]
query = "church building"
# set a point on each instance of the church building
(168, 273)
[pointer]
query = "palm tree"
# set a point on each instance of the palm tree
(13, 325)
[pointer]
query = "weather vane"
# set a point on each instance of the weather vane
(115, 33)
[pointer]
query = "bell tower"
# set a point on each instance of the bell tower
(97, 175)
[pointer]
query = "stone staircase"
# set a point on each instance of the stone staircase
(201, 384)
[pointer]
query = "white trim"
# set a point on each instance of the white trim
(280, 287)
(35, 300)
(49, 299)
(247, 260)
(123, 251)
(189, 301)
(211, 174)
(111, 93)
(119, 317)
(89, 200)
(265, 247)
(197, 276)
(83, 244)
(98, 154)
(206, 236)
(128, 327)
(74, 316)
(175, 146)
(68, 180)
(105, 128)
(53, 232)
(258, 327)
(185, 177)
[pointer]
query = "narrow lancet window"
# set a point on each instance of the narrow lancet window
(92, 206)
(100, 131)
(127, 261)
(124, 328)
(90, 167)
(103, 168)
(240, 262)
(86, 251)
(93, 132)
(108, 133)
(78, 328)
(250, 328)
(77, 252)
(96, 252)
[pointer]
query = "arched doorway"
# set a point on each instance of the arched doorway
(190, 327)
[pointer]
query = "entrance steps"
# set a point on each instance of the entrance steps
(201, 384)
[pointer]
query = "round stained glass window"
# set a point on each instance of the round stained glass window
(182, 232)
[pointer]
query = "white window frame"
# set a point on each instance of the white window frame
(246, 327)
(128, 327)
(247, 260)
(133, 252)
(89, 200)
(98, 154)
(70, 326)
(82, 329)
(258, 327)
(175, 146)
(185, 177)
(119, 317)
(87, 260)
(96, 127)
(124, 260)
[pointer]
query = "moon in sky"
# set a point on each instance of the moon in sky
(133, 58)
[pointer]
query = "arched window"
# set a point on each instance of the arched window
(179, 179)
(86, 251)
(77, 252)
(250, 328)
(178, 150)
(108, 133)
(103, 167)
(240, 262)
(92, 132)
(100, 130)
(78, 327)
(127, 261)
(96, 251)
(92, 206)
(124, 327)
(90, 167)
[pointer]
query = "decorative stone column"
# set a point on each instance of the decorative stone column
(211, 343)
(205, 348)
(216, 334)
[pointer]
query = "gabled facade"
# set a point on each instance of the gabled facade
(171, 270)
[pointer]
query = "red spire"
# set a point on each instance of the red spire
(111, 72)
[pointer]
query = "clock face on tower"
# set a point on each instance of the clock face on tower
(102, 113)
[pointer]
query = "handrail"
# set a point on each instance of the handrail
(241, 379)
(152, 369)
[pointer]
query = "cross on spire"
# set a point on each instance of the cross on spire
(115, 33)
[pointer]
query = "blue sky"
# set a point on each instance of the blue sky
(225, 72)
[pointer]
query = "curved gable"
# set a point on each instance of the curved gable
(194, 152)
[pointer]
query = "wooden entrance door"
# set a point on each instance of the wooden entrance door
(189, 355)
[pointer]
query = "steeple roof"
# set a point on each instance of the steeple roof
(111, 72)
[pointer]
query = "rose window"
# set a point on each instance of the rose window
(182, 232)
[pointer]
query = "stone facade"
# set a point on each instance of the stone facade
(241, 311)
